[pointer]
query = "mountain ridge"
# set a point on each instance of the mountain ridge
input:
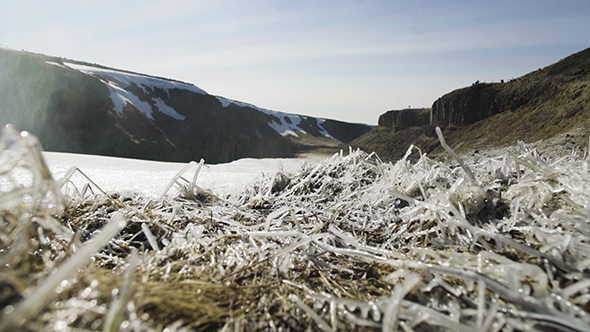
(76, 106)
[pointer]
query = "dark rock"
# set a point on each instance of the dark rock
(415, 117)
(466, 106)
(343, 131)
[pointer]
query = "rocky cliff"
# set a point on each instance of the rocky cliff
(413, 117)
(466, 106)
(87, 108)
(542, 104)
(481, 100)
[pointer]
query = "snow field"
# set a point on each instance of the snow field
(150, 178)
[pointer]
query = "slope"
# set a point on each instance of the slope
(540, 105)
(74, 106)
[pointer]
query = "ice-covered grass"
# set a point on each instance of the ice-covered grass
(350, 243)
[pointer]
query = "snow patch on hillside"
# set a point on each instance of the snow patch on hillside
(55, 64)
(119, 82)
(161, 105)
(287, 124)
(323, 131)
(125, 79)
(122, 97)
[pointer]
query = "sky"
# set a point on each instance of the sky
(344, 60)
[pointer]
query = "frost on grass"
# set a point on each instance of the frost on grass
(349, 244)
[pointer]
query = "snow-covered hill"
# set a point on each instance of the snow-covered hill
(87, 108)
(119, 83)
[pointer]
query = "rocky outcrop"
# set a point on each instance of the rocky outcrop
(87, 108)
(413, 117)
(481, 100)
(466, 106)
(542, 104)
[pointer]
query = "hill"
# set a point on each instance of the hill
(80, 107)
(540, 105)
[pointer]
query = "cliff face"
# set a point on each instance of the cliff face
(471, 104)
(85, 108)
(465, 106)
(540, 105)
(405, 118)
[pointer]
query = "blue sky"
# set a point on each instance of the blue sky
(346, 60)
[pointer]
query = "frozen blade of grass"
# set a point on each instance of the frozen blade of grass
(31, 304)
(390, 316)
(410, 310)
(481, 291)
(365, 256)
(344, 236)
(490, 316)
(563, 323)
(401, 196)
(456, 157)
(68, 176)
(575, 287)
(175, 179)
(354, 243)
(194, 183)
(150, 237)
(115, 314)
(274, 215)
(321, 323)
(295, 221)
